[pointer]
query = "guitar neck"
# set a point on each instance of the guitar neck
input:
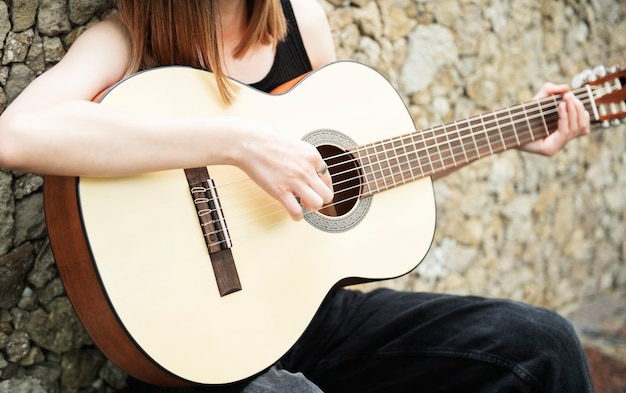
(399, 160)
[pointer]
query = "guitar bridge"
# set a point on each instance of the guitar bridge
(214, 228)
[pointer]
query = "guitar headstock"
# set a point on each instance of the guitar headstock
(607, 92)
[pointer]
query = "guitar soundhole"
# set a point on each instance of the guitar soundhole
(348, 208)
(346, 183)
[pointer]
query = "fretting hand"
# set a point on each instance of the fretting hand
(573, 121)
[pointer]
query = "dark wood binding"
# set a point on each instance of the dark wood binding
(82, 284)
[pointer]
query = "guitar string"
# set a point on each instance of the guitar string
(431, 146)
(513, 122)
(539, 113)
(458, 131)
(520, 142)
(277, 211)
(280, 211)
(508, 136)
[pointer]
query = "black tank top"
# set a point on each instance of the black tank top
(291, 59)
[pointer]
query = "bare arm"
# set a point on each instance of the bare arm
(54, 128)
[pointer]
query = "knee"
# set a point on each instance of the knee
(538, 334)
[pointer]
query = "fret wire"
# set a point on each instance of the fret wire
(474, 139)
(513, 127)
(384, 163)
(545, 126)
(411, 157)
(481, 135)
(402, 164)
(375, 169)
(443, 164)
(371, 182)
(399, 152)
(518, 125)
(426, 147)
(442, 141)
(397, 173)
(410, 152)
(497, 142)
(393, 174)
(419, 162)
(431, 149)
(482, 121)
(530, 128)
(547, 121)
(456, 125)
(499, 128)
(445, 132)
(389, 166)
(382, 169)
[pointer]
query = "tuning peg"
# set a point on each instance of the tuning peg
(582, 78)
(600, 71)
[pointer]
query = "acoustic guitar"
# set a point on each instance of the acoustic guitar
(198, 276)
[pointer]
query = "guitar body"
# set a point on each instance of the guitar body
(133, 256)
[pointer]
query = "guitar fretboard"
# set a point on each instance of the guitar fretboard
(399, 160)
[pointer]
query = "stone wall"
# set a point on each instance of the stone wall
(549, 231)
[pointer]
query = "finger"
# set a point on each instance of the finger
(323, 185)
(586, 119)
(578, 117)
(310, 199)
(582, 118)
(323, 170)
(291, 203)
(549, 89)
(572, 115)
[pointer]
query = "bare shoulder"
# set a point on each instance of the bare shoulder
(315, 31)
(312, 7)
(108, 30)
(105, 48)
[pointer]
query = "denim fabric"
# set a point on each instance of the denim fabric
(388, 341)
(278, 380)
(274, 379)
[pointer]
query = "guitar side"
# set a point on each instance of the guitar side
(149, 257)
(83, 287)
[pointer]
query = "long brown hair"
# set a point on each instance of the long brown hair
(184, 32)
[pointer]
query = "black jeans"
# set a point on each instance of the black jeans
(388, 341)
